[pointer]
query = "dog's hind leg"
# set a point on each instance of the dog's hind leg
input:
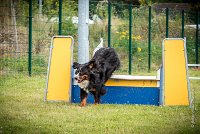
(102, 91)
(83, 96)
(96, 98)
(97, 95)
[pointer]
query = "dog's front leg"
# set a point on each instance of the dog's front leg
(83, 95)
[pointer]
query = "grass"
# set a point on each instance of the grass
(24, 111)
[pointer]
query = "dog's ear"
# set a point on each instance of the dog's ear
(91, 64)
(76, 65)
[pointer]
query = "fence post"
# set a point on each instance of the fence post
(109, 23)
(130, 39)
(149, 41)
(30, 39)
(183, 19)
(60, 18)
(197, 35)
(167, 22)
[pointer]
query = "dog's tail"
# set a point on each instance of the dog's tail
(99, 46)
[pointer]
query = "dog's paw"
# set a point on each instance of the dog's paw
(82, 104)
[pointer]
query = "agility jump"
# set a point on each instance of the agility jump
(59, 76)
(169, 87)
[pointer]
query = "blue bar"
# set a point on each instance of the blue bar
(123, 95)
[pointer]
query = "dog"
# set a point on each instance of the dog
(92, 75)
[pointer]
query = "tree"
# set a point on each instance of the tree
(8, 30)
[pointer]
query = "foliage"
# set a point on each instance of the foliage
(50, 8)
(99, 8)
(46, 25)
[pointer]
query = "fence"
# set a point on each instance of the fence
(135, 32)
(161, 23)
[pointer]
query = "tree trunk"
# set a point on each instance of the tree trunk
(8, 28)
(5, 18)
(14, 25)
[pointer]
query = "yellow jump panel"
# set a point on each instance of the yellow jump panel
(175, 72)
(59, 71)
(132, 83)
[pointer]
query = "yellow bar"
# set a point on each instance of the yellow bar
(59, 76)
(132, 83)
(175, 73)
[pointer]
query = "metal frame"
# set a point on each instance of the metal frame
(187, 76)
(163, 90)
(194, 65)
(49, 64)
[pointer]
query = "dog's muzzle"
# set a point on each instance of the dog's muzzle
(80, 79)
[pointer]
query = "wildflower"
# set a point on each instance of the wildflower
(124, 33)
(122, 37)
(139, 49)
(139, 59)
(138, 37)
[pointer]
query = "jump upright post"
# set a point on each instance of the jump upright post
(175, 77)
(59, 77)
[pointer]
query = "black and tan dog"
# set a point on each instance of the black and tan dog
(92, 76)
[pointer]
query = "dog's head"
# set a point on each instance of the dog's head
(82, 71)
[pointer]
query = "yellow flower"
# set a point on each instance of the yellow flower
(122, 37)
(124, 33)
(139, 49)
(139, 59)
(136, 37)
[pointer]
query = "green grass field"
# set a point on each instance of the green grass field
(23, 110)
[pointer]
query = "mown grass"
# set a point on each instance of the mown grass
(23, 110)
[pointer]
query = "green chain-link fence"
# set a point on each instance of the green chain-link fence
(24, 45)
(149, 26)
